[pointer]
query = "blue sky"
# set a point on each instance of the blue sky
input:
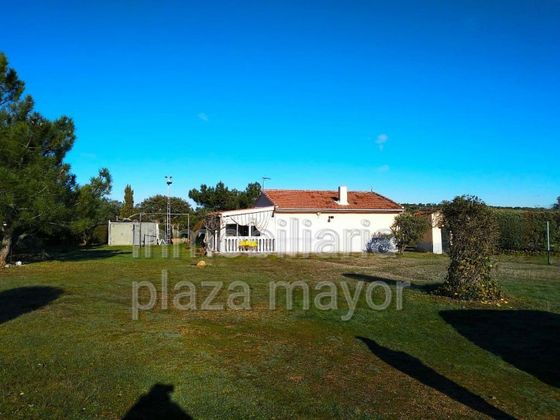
(420, 101)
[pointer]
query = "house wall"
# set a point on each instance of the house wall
(314, 233)
(432, 239)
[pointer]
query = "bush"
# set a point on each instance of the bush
(100, 235)
(473, 236)
(526, 230)
(408, 229)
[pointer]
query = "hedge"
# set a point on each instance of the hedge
(526, 230)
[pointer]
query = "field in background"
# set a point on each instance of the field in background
(69, 346)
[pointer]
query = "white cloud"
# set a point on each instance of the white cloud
(381, 140)
(202, 116)
(383, 169)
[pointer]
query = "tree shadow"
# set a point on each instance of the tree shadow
(368, 278)
(157, 404)
(67, 254)
(84, 254)
(414, 368)
(529, 340)
(19, 301)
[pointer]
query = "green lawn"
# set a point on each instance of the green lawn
(69, 348)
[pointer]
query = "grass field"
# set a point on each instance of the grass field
(69, 348)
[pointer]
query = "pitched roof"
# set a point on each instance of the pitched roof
(328, 200)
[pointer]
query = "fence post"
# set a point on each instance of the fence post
(548, 242)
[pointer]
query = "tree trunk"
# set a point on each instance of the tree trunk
(5, 248)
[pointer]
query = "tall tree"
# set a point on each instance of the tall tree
(155, 208)
(248, 198)
(36, 189)
(128, 207)
(556, 206)
(473, 237)
(221, 197)
(38, 193)
(92, 206)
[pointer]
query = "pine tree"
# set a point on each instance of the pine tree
(36, 188)
(128, 207)
(38, 193)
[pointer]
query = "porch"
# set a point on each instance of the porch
(241, 231)
(248, 244)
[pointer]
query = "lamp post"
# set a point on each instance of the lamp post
(169, 181)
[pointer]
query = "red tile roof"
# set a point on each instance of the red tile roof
(328, 200)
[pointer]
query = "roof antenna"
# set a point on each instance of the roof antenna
(264, 178)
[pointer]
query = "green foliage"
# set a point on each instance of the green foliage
(556, 206)
(156, 209)
(100, 235)
(525, 231)
(408, 229)
(11, 86)
(92, 207)
(127, 208)
(474, 233)
(36, 187)
(38, 193)
(427, 207)
(221, 197)
(249, 197)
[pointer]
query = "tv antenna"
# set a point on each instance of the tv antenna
(264, 178)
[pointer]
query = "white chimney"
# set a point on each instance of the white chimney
(343, 195)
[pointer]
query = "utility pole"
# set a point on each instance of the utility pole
(140, 234)
(548, 242)
(169, 181)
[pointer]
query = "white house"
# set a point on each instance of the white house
(303, 221)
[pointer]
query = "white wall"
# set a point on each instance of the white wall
(312, 232)
(432, 240)
(128, 233)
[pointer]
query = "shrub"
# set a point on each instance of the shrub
(408, 229)
(526, 230)
(474, 233)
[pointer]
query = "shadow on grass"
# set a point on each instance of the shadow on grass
(157, 404)
(414, 368)
(368, 278)
(16, 302)
(68, 254)
(84, 254)
(529, 340)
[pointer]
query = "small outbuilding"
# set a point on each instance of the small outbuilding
(432, 240)
(133, 233)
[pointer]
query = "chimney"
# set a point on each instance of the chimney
(343, 195)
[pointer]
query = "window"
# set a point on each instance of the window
(231, 229)
(234, 229)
